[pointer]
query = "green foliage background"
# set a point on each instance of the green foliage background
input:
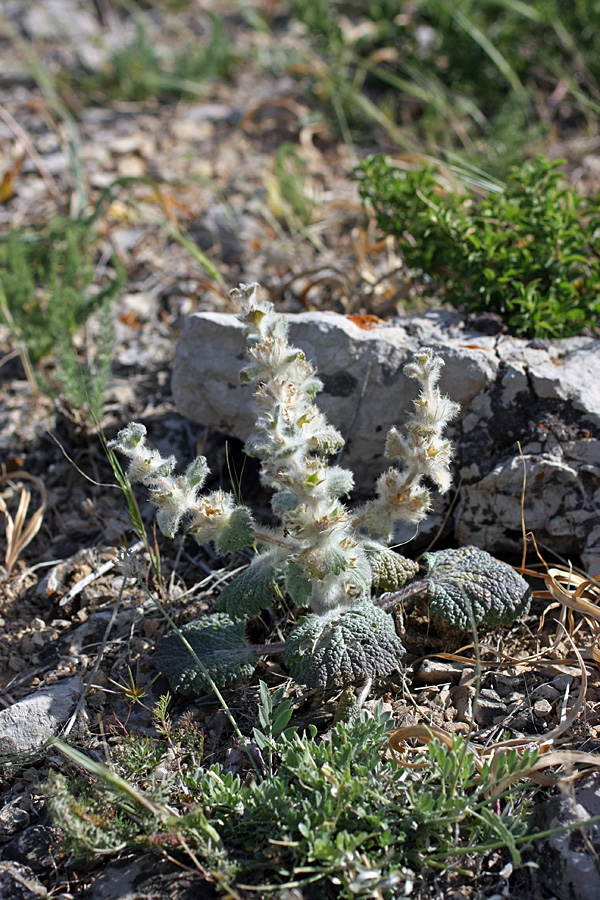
(528, 253)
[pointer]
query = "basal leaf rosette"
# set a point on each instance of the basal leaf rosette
(343, 646)
(468, 586)
(220, 644)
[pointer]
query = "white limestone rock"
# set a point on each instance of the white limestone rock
(26, 725)
(365, 391)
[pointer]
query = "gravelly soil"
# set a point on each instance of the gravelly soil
(205, 167)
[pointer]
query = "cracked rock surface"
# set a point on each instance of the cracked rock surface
(541, 395)
(568, 862)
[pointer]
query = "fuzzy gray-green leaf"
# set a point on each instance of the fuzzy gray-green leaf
(343, 646)
(220, 644)
(238, 533)
(390, 569)
(251, 591)
(469, 585)
(297, 585)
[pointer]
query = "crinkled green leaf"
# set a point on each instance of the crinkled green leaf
(469, 584)
(238, 533)
(343, 646)
(390, 569)
(251, 591)
(220, 644)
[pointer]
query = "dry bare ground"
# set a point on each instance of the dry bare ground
(193, 196)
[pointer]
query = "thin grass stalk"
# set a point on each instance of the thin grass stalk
(206, 674)
(19, 343)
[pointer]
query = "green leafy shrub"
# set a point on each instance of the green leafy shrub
(528, 253)
(335, 814)
(323, 555)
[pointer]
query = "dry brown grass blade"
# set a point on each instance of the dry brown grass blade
(292, 106)
(503, 659)
(576, 593)
(546, 741)
(568, 587)
(491, 754)
(567, 758)
(424, 734)
(38, 162)
(21, 530)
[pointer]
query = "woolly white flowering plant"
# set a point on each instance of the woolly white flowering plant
(323, 555)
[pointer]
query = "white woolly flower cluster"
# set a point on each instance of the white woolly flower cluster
(175, 496)
(401, 496)
(293, 440)
(320, 541)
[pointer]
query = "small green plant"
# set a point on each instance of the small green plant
(49, 290)
(323, 555)
(337, 814)
(143, 70)
(288, 197)
(528, 253)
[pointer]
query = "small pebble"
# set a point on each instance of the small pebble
(12, 820)
(27, 647)
(547, 692)
(468, 677)
(436, 671)
(542, 708)
(16, 663)
(562, 682)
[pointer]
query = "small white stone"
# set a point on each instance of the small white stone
(542, 709)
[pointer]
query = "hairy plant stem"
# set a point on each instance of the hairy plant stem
(414, 589)
(264, 537)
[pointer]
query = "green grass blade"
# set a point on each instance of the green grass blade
(494, 54)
